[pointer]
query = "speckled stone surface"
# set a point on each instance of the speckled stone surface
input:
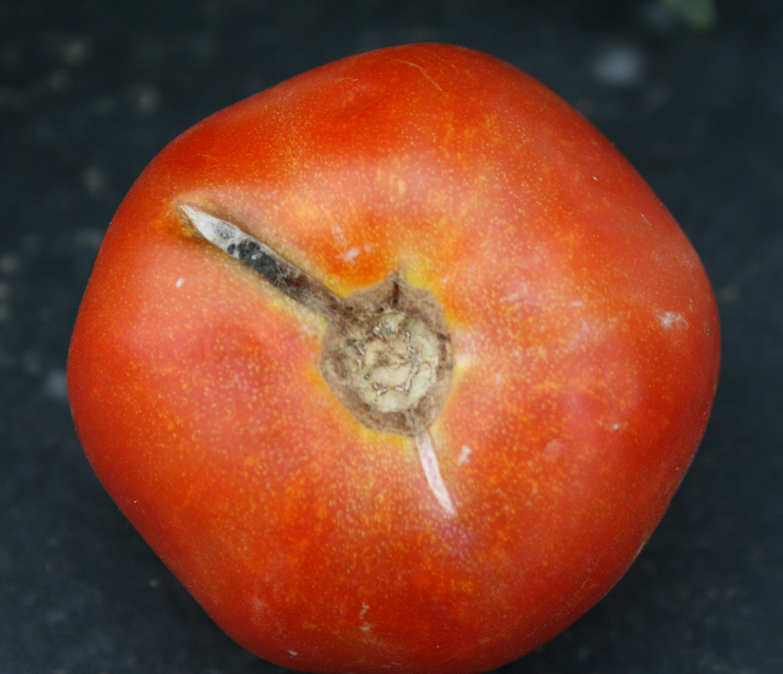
(91, 90)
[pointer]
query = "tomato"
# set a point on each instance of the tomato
(396, 365)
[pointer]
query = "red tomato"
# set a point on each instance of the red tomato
(446, 420)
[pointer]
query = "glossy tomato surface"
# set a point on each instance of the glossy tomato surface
(583, 331)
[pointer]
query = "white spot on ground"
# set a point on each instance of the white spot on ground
(31, 363)
(671, 319)
(89, 237)
(5, 296)
(429, 462)
(94, 180)
(464, 455)
(54, 386)
(146, 98)
(619, 66)
(10, 263)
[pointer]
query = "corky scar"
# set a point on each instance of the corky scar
(387, 357)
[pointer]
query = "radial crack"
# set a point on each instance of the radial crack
(282, 274)
(429, 462)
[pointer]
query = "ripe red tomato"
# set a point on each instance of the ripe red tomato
(420, 406)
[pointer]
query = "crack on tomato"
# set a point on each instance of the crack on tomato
(386, 353)
(429, 462)
(423, 72)
(282, 274)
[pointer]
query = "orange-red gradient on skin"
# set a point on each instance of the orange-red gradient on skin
(585, 341)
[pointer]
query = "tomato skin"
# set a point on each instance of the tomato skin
(586, 346)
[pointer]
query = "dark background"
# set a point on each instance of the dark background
(90, 91)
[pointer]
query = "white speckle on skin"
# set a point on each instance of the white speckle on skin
(180, 281)
(350, 255)
(10, 263)
(671, 319)
(293, 653)
(469, 345)
(553, 449)
(309, 330)
(464, 455)
(339, 235)
(587, 334)
(522, 295)
(365, 627)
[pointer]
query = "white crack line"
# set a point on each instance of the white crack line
(429, 462)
